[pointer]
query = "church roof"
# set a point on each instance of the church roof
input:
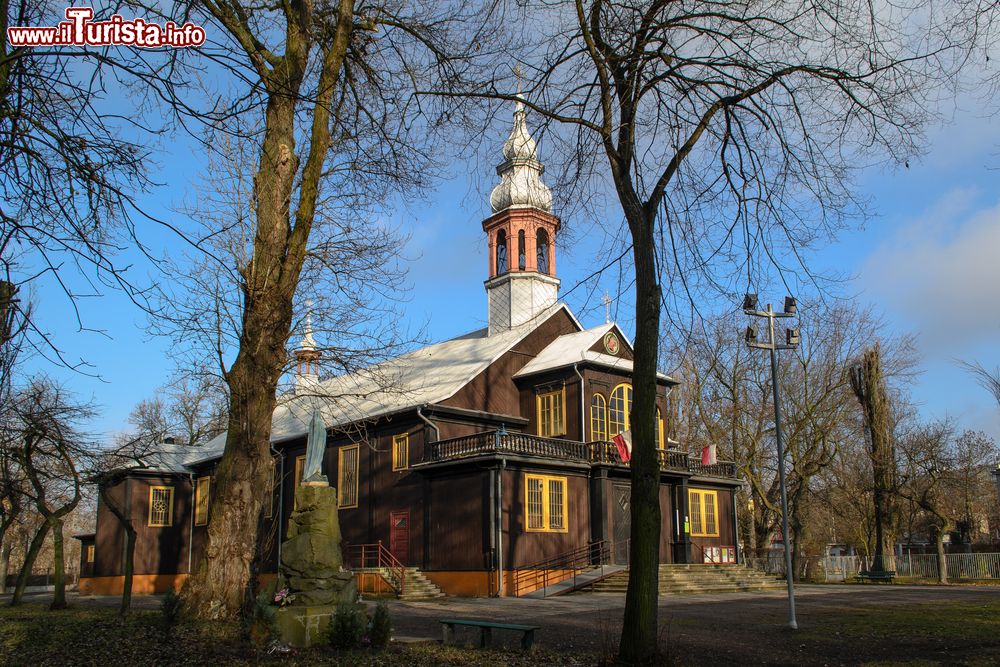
(428, 375)
(574, 348)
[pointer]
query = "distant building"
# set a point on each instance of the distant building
(486, 453)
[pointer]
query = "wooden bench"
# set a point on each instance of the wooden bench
(878, 576)
(486, 631)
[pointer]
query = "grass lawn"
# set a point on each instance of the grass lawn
(34, 635)
(942, 632)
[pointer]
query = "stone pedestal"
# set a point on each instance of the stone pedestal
(305, 626)
(312, 567)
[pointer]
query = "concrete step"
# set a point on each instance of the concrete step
(419, 587)
(692, 579)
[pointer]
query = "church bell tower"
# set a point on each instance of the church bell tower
(521, 234)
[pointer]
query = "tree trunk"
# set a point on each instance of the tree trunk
(124, 519)
(58, 565)
(221, 584)
(796, 537)
(128, 569)
(942, 561)
(869, 387)
(29, 562)
(639, 626)
(5, 550)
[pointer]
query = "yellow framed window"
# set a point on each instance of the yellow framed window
(401, 451)
(661, 436)
(546, 503)
(620, 409)
(91, 550)
(202, 491)
(347, 476)
(598, 417)
(704, 512)
(161, 506)
(300, 464)
(551, 413)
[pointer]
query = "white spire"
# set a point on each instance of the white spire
(307, 356)
(521, 172)
(308, 343)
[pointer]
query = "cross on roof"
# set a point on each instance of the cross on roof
(606, 300)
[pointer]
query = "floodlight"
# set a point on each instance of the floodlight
(790, 305)
(792, 336)
(751, 335)
(750, 302)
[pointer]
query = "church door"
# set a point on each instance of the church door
(399, 535)
(622, 515)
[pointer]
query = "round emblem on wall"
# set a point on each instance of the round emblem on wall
(611, 343)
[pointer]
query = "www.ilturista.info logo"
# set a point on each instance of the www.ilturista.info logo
(79, 30)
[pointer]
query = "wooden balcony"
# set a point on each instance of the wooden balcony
(595, 453)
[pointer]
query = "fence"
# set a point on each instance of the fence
(924, 566)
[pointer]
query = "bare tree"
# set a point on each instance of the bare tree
(728, 133)
(729, 394)
(318, 93)
(927, 459)
(68, 174)
(868, 383)
(989, 379)
(52, 453)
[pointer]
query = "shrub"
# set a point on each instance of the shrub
(381, 630)
(171, 609)
(347, 627)
(260, 623)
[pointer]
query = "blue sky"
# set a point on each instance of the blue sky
(929, 260)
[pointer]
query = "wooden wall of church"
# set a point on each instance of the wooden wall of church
(493, 390)
(158, 550)
(525, 548)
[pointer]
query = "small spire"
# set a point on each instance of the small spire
(307, 357)
(308, 343)
(606, 300)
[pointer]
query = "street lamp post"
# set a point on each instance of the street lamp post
(791, 341)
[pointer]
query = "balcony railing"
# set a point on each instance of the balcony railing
(718, 469)
(599, 452)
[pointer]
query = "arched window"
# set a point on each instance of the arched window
(522, 259)
(598, 418)
(542, 248)
(619, 408)
(501, 252)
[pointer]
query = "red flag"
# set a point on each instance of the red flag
(623, 441)
(708, 455)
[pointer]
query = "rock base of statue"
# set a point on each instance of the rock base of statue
(312, 567)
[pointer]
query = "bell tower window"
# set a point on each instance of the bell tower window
(542, 247)
(501, 252)
(522, 257)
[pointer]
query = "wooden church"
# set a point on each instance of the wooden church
(488, 456)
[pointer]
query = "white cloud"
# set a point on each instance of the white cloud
(941, 273)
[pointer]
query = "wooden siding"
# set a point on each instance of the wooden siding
(522, 548)
(493, 390)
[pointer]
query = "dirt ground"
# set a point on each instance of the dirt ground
(838, 625)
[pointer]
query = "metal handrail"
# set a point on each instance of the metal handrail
(555, 569)
(376, 556)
